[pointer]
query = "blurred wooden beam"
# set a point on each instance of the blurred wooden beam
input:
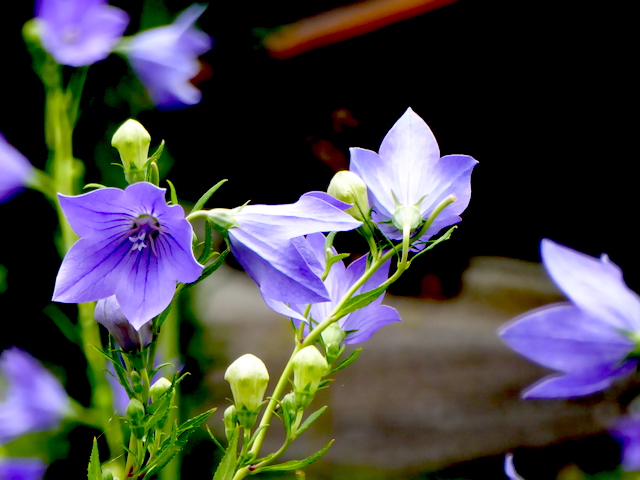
(343, 23)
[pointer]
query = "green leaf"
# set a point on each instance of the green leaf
(433, 243)
(336, 258)
(312, 418)
(174, 196)
(209, 269)
(347, 361)
(200, 203)
(156, 155)
(94, 471)
(294, 464)
(208, 243)
(95, 185)
(361, 301)
(66, 326)
(227, 467)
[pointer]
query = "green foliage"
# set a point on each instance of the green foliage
(227, 467)
(94, 471)
(347, 361)
(294, 464)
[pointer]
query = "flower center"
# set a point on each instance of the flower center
(144, 231)
(71, 34)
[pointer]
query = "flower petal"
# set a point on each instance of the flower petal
(367, 321)
(22, 468)
(101, 211)
(15, 170)
(378, 175)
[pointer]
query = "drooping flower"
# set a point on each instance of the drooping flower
(109, 314)
(362, 323)
(79, 32)
(21, 468)
(408, 179)
(165, 59)
(627, 431)
(34, 400)
(266, 240)
(15, 171)
(132, 245)
(589, 341)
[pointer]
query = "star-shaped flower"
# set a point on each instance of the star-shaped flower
(589, 341)
(79, 32)
(15, 171)
(408, 180)
(165, 59)
(34, 400)
(133, 245)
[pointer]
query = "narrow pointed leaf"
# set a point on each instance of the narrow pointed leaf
(200, 203)
(312, 418)
(94, 471)
(347, 361)
(227, 467)
(294, 464)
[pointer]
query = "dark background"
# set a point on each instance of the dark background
(541, 94)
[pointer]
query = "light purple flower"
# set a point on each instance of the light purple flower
(588, 340)
(409, 172)
(133, 245)
(34, 400)
(265, 240)
(627, 432)
(364, 322)
(21, 468)
(165, 59)
(15, 171)
(79, 32)
(109, 314)
(510, 469)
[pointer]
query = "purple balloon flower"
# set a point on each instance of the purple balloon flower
(165, 59)
(627, 431)
(588, 340)
(409, 172)
(34, 400)
(79, 32)
(109, 314)
(133, 245)
(21, 468)
(362, 323)
(265, 240)
(15, 171)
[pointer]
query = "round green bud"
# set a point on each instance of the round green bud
(135, 412)
(160, 386)
(309, 366)
(230, 421)
(248, 378)
(332, 337)
(409, 216)
(132, 141)
(348, 187)
(136, 381)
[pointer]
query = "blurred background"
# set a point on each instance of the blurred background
(540, 94)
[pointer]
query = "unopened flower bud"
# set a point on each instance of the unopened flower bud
(405, 215)
(248, 378)
(135, 412)
(332, 336)
(230, 421)
(136, 382)
(132, 141)
(159, 387)
(222, 219)
(309, 366)
(348, 187)
(288, 404)
(109, 314)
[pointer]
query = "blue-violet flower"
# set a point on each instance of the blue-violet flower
(362, 323)
(15, 171)
(109, 314)
(132, 245)
(165, 59)
(267, 241)
(34, 400)
(510, 469)
(79, 32)
(589, 341)
(21, 468)
(408, 180)
(627, 431)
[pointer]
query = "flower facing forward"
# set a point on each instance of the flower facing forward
(408, 180)
(165, 59)
(266, 240)
(362, 323)
(79, 32)
(590, 340)
(15, 171)
(34, 400)
(132, 245)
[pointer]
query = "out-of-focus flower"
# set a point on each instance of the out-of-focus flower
(510, 469)
(408, 179)
(133, 245)
(266, 240)
(15, 170)
(34, 400)
(362, 323)
(588, 340)
(627, 431)
(109, 314)
(165, 59)
(21, 468)
(79, 32)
